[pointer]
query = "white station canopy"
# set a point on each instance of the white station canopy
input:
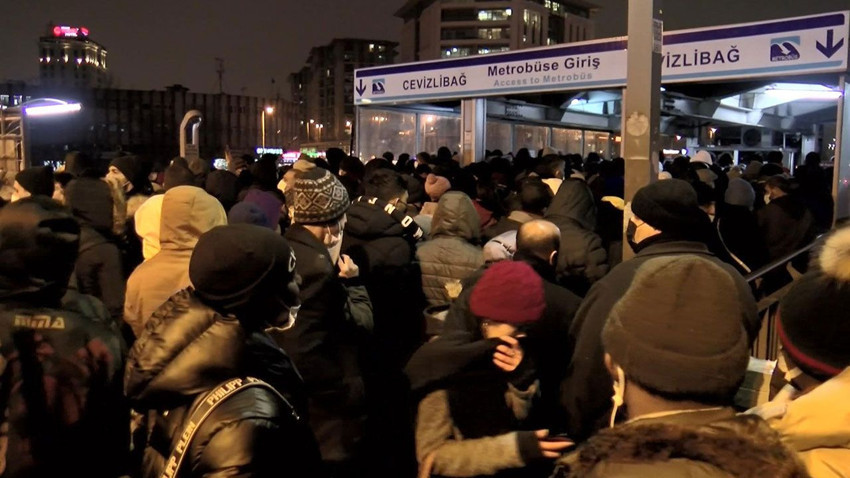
(791, 46)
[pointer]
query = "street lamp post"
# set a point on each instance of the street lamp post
(308, 129)
(269, 110)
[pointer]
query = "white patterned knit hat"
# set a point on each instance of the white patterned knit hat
(319, 197)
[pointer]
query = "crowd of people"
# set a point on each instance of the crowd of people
(412, 317)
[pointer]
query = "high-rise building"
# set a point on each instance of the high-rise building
(324, 88)
(435, 29)
(68, 57)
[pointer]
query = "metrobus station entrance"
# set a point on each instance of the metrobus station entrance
(777, 85)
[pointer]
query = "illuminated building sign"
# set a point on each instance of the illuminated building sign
(64, 31)
(278, 151)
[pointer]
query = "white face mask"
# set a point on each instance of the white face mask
(789, 374)
(767, 198)
(290, 321)
(334, 242)
(619, 396)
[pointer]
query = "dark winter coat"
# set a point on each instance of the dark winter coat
(471, 415)
(386, 255)
(98, 270)
(706, 444)
(786, 225)
(188, 349)
(511, 222)
(549, 340)
(61, 389)
(582, 259)
(587, 388)
(739, 234)
(452, 252)
(325, 344)
(385, 252)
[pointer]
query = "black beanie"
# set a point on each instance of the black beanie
(129, 166)
(813, 322)
(231, 265)
(38, 181)
(671, 206)
(678, 329)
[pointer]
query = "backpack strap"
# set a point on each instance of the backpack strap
(202, 411)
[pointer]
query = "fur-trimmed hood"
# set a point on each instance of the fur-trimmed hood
(714, 443)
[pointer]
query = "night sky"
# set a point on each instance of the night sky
(155, 43)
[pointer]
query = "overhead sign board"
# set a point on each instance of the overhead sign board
(792, 46)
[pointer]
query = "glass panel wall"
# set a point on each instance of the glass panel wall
(383, 130)
(498, 137)
(534, 138)
(567, 141)
(597, 142)
(436, 131)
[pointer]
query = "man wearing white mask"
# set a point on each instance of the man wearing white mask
(336, 312)
(676, 365)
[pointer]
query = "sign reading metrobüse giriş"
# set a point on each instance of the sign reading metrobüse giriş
(791, 46)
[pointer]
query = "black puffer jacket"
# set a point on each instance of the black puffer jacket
(384, 250)
(582, 259)
(385, 253)
(188, 349)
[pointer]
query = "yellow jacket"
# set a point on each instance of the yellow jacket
(817, 426)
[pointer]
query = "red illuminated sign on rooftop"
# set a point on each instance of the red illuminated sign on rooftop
(63, 31)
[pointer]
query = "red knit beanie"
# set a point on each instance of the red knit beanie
(508, 292)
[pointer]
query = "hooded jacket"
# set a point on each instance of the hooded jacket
(147, 223)
(816, 426)
(702, 444)
(187, 212)
(98, 271)
(452, 254)
(188, 349)
(582, 259)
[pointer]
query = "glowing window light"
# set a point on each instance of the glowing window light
(50, 110)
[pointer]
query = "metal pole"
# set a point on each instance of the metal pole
(263, 122)
(24, 144)
(841, 165)
(641, 113)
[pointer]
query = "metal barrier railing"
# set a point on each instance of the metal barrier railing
(766, 345)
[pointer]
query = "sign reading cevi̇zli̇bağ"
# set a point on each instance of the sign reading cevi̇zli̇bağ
(792, 46)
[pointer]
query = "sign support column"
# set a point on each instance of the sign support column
(841, 173)
(473, 120)
(642, 102)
